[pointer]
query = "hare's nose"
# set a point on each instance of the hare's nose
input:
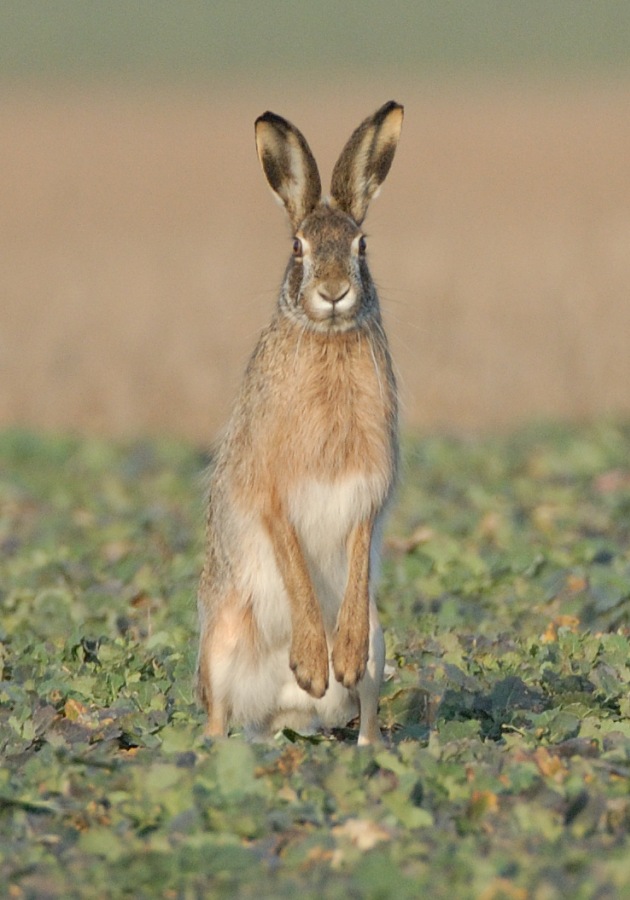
(333, 292)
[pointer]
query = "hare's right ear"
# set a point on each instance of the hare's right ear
(289, 166)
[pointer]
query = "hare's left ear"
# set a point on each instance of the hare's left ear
(365, 160)
(289, 166)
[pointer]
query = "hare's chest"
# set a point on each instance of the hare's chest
(324, 512)
(337, 421)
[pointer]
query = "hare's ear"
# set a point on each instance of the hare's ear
(365, 160)
(288, 165)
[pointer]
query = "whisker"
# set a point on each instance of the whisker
(377, 372)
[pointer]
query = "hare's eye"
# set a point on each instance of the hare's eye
(297, 247)
(362, 246)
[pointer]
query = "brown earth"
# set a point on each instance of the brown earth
(140, 250)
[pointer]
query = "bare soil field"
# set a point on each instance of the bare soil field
(140, 250)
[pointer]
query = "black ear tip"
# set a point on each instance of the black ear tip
(390, 106)
(386, 110)
(271, 118)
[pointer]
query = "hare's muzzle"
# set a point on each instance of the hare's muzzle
(332, 298)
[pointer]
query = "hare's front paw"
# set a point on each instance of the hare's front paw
(349, 658)
(309, 662)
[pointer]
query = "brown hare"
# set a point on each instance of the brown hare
(289, 632)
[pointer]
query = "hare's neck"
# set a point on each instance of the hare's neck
(338, 413)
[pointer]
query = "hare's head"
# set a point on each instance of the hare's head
(327, 284)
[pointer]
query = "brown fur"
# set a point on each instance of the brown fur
(346, 384)
(306, 466)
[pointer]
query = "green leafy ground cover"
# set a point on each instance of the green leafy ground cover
(506, 601)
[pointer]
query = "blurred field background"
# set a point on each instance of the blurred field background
(141, 251)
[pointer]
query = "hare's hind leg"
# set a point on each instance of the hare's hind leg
(216, 707)
(370, 685)
(229, 632)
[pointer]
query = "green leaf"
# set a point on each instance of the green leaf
(235, 765)
(506, 716)
(103, 842)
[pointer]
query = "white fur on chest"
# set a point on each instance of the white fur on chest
(323, 515)
(324, 512)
